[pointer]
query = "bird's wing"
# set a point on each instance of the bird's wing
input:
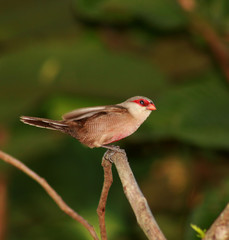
(90, 111)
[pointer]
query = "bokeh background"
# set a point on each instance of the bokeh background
(58, 55)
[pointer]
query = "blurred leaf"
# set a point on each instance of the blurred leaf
(195, 112)
(32, 140)
(43, 19)
(169, 54)
(163, 14)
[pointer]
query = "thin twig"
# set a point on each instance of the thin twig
(220, 228)
(51, 192)
(108, 179)
(137, 201)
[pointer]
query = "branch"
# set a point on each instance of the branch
(220, 228)
(108, 179)
(137, 201)
(51, 192)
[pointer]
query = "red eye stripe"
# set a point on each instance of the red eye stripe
(142, 102)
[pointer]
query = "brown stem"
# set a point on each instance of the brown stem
(137, 201)
(220, 228)
(51, 192)
(108, 179)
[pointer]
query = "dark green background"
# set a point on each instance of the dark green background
(56, 56)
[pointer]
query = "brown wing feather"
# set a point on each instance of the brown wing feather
(90, 111)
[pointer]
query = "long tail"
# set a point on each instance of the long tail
(45, 123)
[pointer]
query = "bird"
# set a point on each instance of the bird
(100, 126)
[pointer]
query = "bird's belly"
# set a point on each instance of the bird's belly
(119, 133)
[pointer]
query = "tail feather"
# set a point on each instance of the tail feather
(45, 123)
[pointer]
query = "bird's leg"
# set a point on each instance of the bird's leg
(112, 150)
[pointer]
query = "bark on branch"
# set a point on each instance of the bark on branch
(220, 228)
(136, 199)
(108, 179)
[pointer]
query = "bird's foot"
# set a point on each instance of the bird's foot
(112, 149)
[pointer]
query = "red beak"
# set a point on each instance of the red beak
(151, 107)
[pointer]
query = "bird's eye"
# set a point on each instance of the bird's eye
(142, 102)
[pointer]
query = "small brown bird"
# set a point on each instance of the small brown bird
(100, 125)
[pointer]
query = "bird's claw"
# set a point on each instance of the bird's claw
(108, 155)
(112, 149)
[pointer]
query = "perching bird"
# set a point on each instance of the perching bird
(100, 125)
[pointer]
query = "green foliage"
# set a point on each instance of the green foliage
(199, 231)
(195, 112)
(163, 14)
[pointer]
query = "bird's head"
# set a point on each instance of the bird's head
(139, 107)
